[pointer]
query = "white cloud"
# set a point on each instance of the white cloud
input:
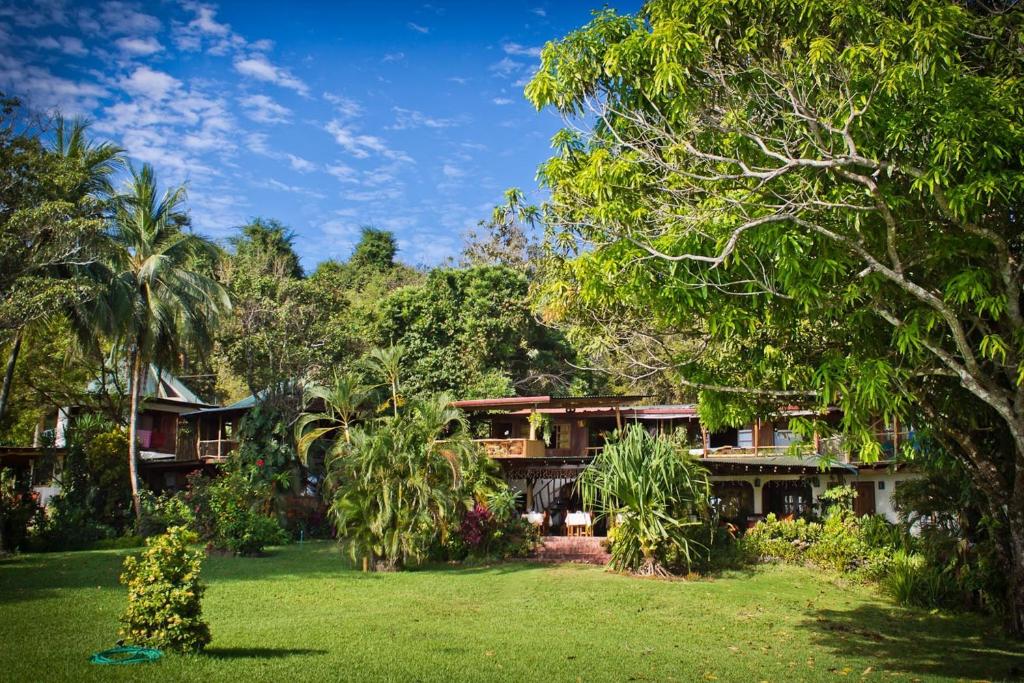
(149, 82)
(410, 118)
(299, 164)
(121, 18)
(506, 67)
(204, 27)
(69, 45)
(139, 46)
(458, 79)
(345, 106)
(262, 109)
(42, 89)
(342, 172)
(259, 68)
(500, 101)
(521, 50)
(418, 28)
(293, 189)
(393, 57)
(360, 145)
(540, 11)
(452, 171)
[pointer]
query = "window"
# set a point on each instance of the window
(784, 437)
(745, 438)
(560, 438)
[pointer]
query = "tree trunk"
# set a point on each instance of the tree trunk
(1015, 590)
(12, 361)
(133, 432)
(394, 396)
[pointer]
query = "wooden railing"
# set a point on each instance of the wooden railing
(512, 448)
(734, 451)
(216, 450)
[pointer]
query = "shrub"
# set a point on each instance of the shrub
(491, 534)
(240, 524)
(159, 513)
(165, 594)
(774, 539)
(913, 582)
(18, 508)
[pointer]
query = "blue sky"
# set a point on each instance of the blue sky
(327, 116)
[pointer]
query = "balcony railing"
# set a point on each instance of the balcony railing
(512, 448)
(216, 450)
(734, 451)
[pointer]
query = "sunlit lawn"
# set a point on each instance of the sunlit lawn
(298, 614)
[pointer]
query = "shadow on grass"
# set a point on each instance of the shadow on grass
(258, 652)
(917, 642)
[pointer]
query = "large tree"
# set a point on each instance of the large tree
(157, 305)
(52, 201)
(804, 202)
(470, 332)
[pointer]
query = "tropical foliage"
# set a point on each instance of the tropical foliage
(654, 496)
(397, 485)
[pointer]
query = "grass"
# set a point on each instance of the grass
(298, 614)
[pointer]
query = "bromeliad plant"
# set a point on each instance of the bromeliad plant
(655, 496)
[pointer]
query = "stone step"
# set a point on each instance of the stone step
(587, 549)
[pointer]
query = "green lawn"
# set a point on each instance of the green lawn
(299, 615)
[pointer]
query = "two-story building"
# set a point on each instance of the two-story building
(755, 469)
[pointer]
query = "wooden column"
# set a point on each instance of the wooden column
(529, 494)
(220, 425)
(704, 439)
(757, 434)
(895, 436)
(618, 417)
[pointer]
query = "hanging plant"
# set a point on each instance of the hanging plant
(542, 424)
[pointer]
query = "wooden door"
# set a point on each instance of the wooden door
(864, 503)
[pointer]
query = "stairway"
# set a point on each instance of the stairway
(585, 549)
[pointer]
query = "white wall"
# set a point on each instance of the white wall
(883, 496)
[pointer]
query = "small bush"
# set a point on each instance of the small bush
(165, 594)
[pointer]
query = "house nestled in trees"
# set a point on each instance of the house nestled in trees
(544, 442)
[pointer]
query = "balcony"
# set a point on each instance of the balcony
(512, 448)
(216, 450)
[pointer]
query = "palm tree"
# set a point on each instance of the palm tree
(156, 304)
(343, 402)
(90, 166)
(387, 364)
(398, 486)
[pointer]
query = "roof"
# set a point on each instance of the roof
(513, 403)
(246, 403)
(158, 384)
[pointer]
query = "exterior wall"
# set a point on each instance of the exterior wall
(883, 496)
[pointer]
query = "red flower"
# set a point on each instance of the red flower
(259, 463)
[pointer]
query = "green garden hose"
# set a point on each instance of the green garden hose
(126, 655)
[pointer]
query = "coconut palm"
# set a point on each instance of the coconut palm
(156, 304)
(654, 493)
(88, 167)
